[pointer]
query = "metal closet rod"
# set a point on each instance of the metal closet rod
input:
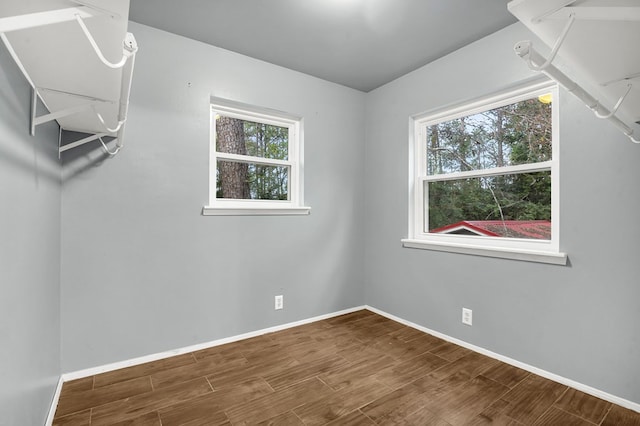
(525, 50)
(130, 48)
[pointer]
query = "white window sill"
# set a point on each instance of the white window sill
(503, 253)
(255, 211)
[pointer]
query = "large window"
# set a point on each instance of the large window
(255, 164)
(485, 177)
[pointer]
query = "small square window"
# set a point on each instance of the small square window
(255, 164)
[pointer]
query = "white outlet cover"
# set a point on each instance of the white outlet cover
(467, 316)
(279, 302)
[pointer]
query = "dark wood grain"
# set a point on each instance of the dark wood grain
(79, 385)
(209, 408)
(136, 406)
(205, 409)
(203, 367)
(81, 400)
(495, 414)
(582, 405)
(277, 403)
(306, 370)
(285, 419)
(405, 372)
(619, 416)
(81, 418)
(423, 417)
(142, 370)
(461, 405)
(450, 351)
(148, 419)
(359, 369)
(555, 416)
(396, 405)
(506, 374)
(355, 418)
(338, 404)
(531, 398)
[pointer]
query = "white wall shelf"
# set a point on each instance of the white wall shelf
(596, 42)
(78, 58)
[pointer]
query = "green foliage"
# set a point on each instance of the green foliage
(267, 141)
(511, 197)
(519, 133)
(266, 182)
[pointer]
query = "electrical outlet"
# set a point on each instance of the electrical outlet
(279, 302)
(467, 316)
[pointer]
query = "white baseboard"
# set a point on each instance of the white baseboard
(154, 357)
(535, 370)
(54, 403)
(161, 355)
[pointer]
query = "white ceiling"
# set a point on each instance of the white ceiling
(362, 44)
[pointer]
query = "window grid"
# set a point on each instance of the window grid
(220, 107)
(418, 210)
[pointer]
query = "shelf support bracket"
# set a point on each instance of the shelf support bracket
(601, 13)
(556, 47)
(126, 53)
(37, 120)
(34, 106)
(615, 108)
(61, 113)
(625, 78)
(79, 13)
(525, 50)
(82, 141)
(31, 20)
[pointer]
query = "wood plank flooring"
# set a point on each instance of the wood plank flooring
(356, 369)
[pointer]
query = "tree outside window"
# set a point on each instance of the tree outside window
(255, 161)
(484, 176)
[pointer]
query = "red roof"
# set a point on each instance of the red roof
(531, 229)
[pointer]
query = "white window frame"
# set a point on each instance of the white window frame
(223, 206)
(545, 251)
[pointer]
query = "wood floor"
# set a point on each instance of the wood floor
(355, 369)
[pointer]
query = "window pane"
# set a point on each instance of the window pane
(249, 181)
(511, 206)
(518, 133)
(236, 136)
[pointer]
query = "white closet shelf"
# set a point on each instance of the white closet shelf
(78, 58)
(597, 52)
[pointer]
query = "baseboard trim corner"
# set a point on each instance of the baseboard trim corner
(535, 370)
(54, 402)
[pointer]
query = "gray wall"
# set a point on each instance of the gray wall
(144, 272)
(579, 321)
(29, 256)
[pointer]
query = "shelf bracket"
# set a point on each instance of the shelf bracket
(616, 107)
(556, 47)
(78, 14)
(525, 50)
(106, 127)
(599, 13)
(126, 53)
(625, 78)
(37, 120)
(31, 20)
(82, 141)
(34, 106)
(59, 114)
(101, 10)
(548, 13)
